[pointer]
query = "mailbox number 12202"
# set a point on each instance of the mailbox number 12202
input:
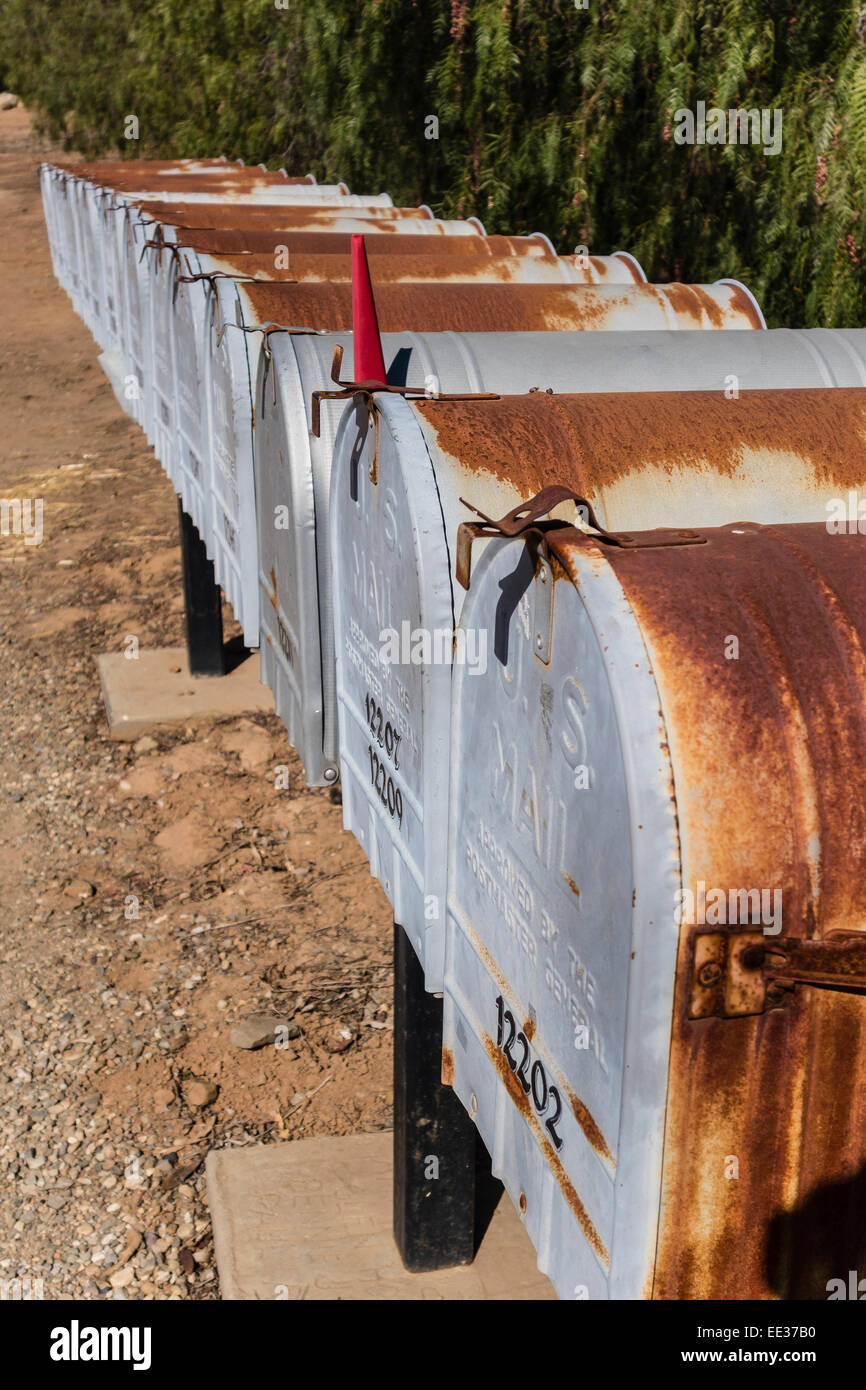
(535, 1084)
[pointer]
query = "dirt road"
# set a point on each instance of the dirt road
(151, 896)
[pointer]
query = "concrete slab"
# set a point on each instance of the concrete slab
(311, 1220)
(156, 688)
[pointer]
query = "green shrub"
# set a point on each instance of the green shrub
(550, 117)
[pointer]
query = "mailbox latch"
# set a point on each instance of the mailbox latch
(735, 974)
(525, 519)
(347, 389)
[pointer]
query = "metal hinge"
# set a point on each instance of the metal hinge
(735, 974)
(371, 388)
(524, 520)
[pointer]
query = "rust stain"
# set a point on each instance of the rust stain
(459, 306)
(234, 184)
(100, 170)
(601, 269)
(447, 1067)
(745, 305)
(529, 1029)
(272, 596)
(321, 243)
(515, 1091)
(692, 301)
(584, 1118)
(570, 881)
(596, 440)
(588, 1125)
(316, 215)
(389, 269)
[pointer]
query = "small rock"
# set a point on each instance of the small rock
(122, 1278)
(56, 1200)
(145, 744)
(79, 889)
(257, 1031)
(198, 1093)
(7, 101)
(339, 1038)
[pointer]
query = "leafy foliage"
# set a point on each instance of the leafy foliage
(550, 116)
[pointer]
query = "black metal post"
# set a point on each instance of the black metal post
(444, 1192)
(204, 619)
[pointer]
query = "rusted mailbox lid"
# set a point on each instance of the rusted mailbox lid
(493, 307)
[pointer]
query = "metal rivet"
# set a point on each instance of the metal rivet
(710, 973)
(330, 774)
(473, 1105)
(539, 643)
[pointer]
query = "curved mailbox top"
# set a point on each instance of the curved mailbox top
(334, 268)
(286, 212)
(225, 240)
(244, 194)
(293, 217)
(669, 456)
(498, 307)
(656, 831)
(222, 181)
(98, 169)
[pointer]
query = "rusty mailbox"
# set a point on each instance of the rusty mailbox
(232, 361)
(647, 458)
(654, 995)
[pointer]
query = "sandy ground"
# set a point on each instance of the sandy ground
(151, 896)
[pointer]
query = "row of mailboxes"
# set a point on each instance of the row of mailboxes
(293, 468)
(648, 699)
(231, 363)
(192, 377)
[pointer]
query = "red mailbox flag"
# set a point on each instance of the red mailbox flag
(369, 362)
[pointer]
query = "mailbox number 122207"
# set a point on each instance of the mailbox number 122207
(383, 783)
(535, 1084)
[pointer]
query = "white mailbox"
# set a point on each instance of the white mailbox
(648, 459)
(656, 853)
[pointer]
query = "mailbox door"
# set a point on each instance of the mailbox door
(92, 259)
(49, 187)
(137, 303)
(189, 323)
(162, 266)
(288, 518)
(231, 361)
(293, 482)
(387, 542)
(563, 866)
(108, 218)
(88, 266)
(81, 281)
